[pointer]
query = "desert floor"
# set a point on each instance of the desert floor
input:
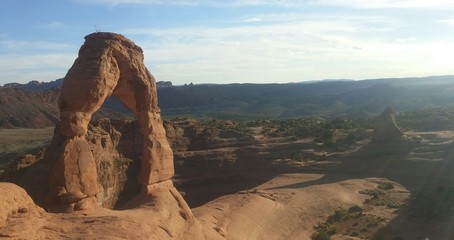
(361, 193)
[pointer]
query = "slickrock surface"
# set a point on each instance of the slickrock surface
(14, 200)
(158, 215)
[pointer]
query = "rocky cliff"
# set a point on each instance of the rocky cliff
(22, 108)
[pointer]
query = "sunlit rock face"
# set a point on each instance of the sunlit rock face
(108, 64)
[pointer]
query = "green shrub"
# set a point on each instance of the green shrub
(393, 204)
(379, 196)
(373, 221)
(337, 216)
(372, 192)
(355, 209)
(297, 156)
(320, 235)
(385, 186)
(331, 229)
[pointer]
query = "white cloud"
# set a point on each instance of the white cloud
(52, 26)
(252, 20)
(114, 3)
(285, 46)
(306, 47)
(27, 46)
(406, 40)
(388, 4)
(447, 21)
(371, 4)
(44, 67)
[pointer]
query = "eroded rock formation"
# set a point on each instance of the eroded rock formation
(108, 65)
(84, 166)
(116, 146)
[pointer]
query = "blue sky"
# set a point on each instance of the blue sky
(255, 41)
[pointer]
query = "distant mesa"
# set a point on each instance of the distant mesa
(326, 99)
(36, 85)
(164, 84)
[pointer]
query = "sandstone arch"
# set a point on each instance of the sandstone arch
(108, 65)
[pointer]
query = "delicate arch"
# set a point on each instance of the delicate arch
(108, 65)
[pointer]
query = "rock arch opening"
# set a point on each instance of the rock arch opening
(113, 108)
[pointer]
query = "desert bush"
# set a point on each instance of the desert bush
(297, 156)
(320, 235)
(385, 186)
(393, 204)
(337, 216)
(355, 209)
(352, 222)
(373, 220)
(372, 192)
(328, 228)
(379, 196)
(292, 138)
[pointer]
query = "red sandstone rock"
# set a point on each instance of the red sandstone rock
(14, 200)
(74, 175)
(108, 65)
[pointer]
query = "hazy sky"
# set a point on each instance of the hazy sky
(210, 41)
